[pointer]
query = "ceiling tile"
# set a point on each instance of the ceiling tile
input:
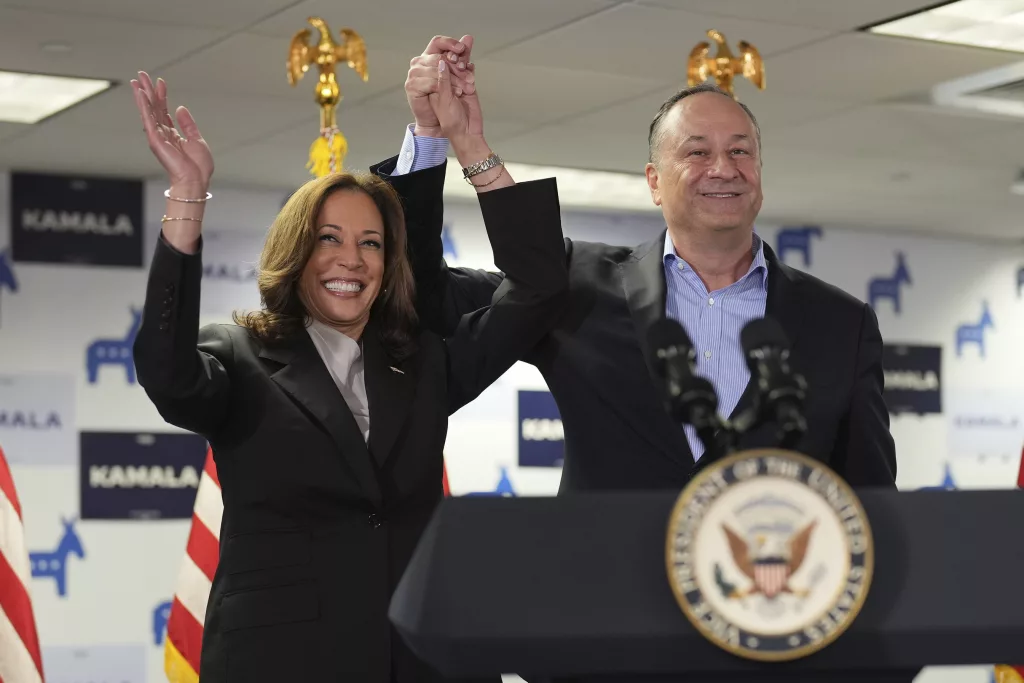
(811, 13)
(101, 48)
(859, 67)
(406, 26)
(649, 42)
(200, 13)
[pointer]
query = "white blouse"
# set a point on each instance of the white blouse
(343, 357)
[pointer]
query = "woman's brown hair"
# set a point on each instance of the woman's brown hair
(290, 243)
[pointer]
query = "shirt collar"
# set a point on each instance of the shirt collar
(341, 347)
(757, 250)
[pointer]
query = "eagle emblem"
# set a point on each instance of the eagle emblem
(769, 559)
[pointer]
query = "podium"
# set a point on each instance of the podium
(575, 588)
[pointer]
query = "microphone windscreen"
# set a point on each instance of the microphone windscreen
(762, 332)
(664, 334)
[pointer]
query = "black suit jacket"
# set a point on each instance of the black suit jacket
(617, 433)
(318, 526)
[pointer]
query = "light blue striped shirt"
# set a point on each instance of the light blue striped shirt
(714, 321)
(420, 152)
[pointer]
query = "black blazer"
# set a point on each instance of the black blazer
(317, 527)
(617, 433)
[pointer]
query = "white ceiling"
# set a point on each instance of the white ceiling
(563, 83)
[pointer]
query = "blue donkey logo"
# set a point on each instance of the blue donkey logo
(7, 278)
(447, 243)
(974, 334)
(114, 351)
(160, 616)
(502, 490)
(889, 287)
(947, 483)
(797, 239)
(54, 564)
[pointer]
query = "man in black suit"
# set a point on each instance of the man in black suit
(710, 271)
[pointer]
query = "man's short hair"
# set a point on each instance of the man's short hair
(657, 134)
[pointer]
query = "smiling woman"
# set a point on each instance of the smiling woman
(336, 252)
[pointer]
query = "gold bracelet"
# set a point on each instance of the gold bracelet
(167, 193)
(489, 181)
(176, 218)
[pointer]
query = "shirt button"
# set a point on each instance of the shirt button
(707, 354)
(711, 301)
(374, 521)
(680, 265)
(408, 155)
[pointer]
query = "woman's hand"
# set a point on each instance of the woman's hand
(185, 156)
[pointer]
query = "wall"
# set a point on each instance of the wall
(129, 566)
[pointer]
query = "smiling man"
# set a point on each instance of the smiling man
(708, 270)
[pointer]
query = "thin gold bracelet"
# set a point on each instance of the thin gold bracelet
(489, 181)
(176, 218)
(167, 193)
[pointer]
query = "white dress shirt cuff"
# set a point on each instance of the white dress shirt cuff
(420, 152)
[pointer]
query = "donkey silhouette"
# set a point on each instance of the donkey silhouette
(54, 564)
(796, 239)
(7, 278)
(114, 351)
(160, 616)
(447, 243)
(974, 334)
(889, 287)
(1020, 281)
(502, 490)
(947, 483)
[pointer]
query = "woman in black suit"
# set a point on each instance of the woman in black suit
(327, 409)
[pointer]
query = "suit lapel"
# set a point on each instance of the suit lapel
(390, 387)
(643, 280)
(785, 306)
(305, 377)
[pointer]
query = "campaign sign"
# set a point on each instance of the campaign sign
(76, 219)
(95, 664)
(913, 378)
(37, 419)
(541, 442)
(125, 475)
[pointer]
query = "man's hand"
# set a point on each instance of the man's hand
(422, 80)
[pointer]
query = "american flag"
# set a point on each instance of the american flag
(1004, 673)
(184, 642)
(20, 657)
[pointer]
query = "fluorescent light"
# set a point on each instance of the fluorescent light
(977, 23)
(30, 98)
(976, 93)
(576, 187)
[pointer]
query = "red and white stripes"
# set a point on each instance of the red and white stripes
(20, 657)
(184, 641)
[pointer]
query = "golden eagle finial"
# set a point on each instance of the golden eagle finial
(328, 151)
(724, 66)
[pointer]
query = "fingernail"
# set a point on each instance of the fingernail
(440, 66)
(458, 92)
(462, 65)
(452, 56)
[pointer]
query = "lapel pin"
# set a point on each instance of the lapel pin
(394, 369)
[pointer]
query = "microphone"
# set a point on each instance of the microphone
(688, 398)
(782, 392)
